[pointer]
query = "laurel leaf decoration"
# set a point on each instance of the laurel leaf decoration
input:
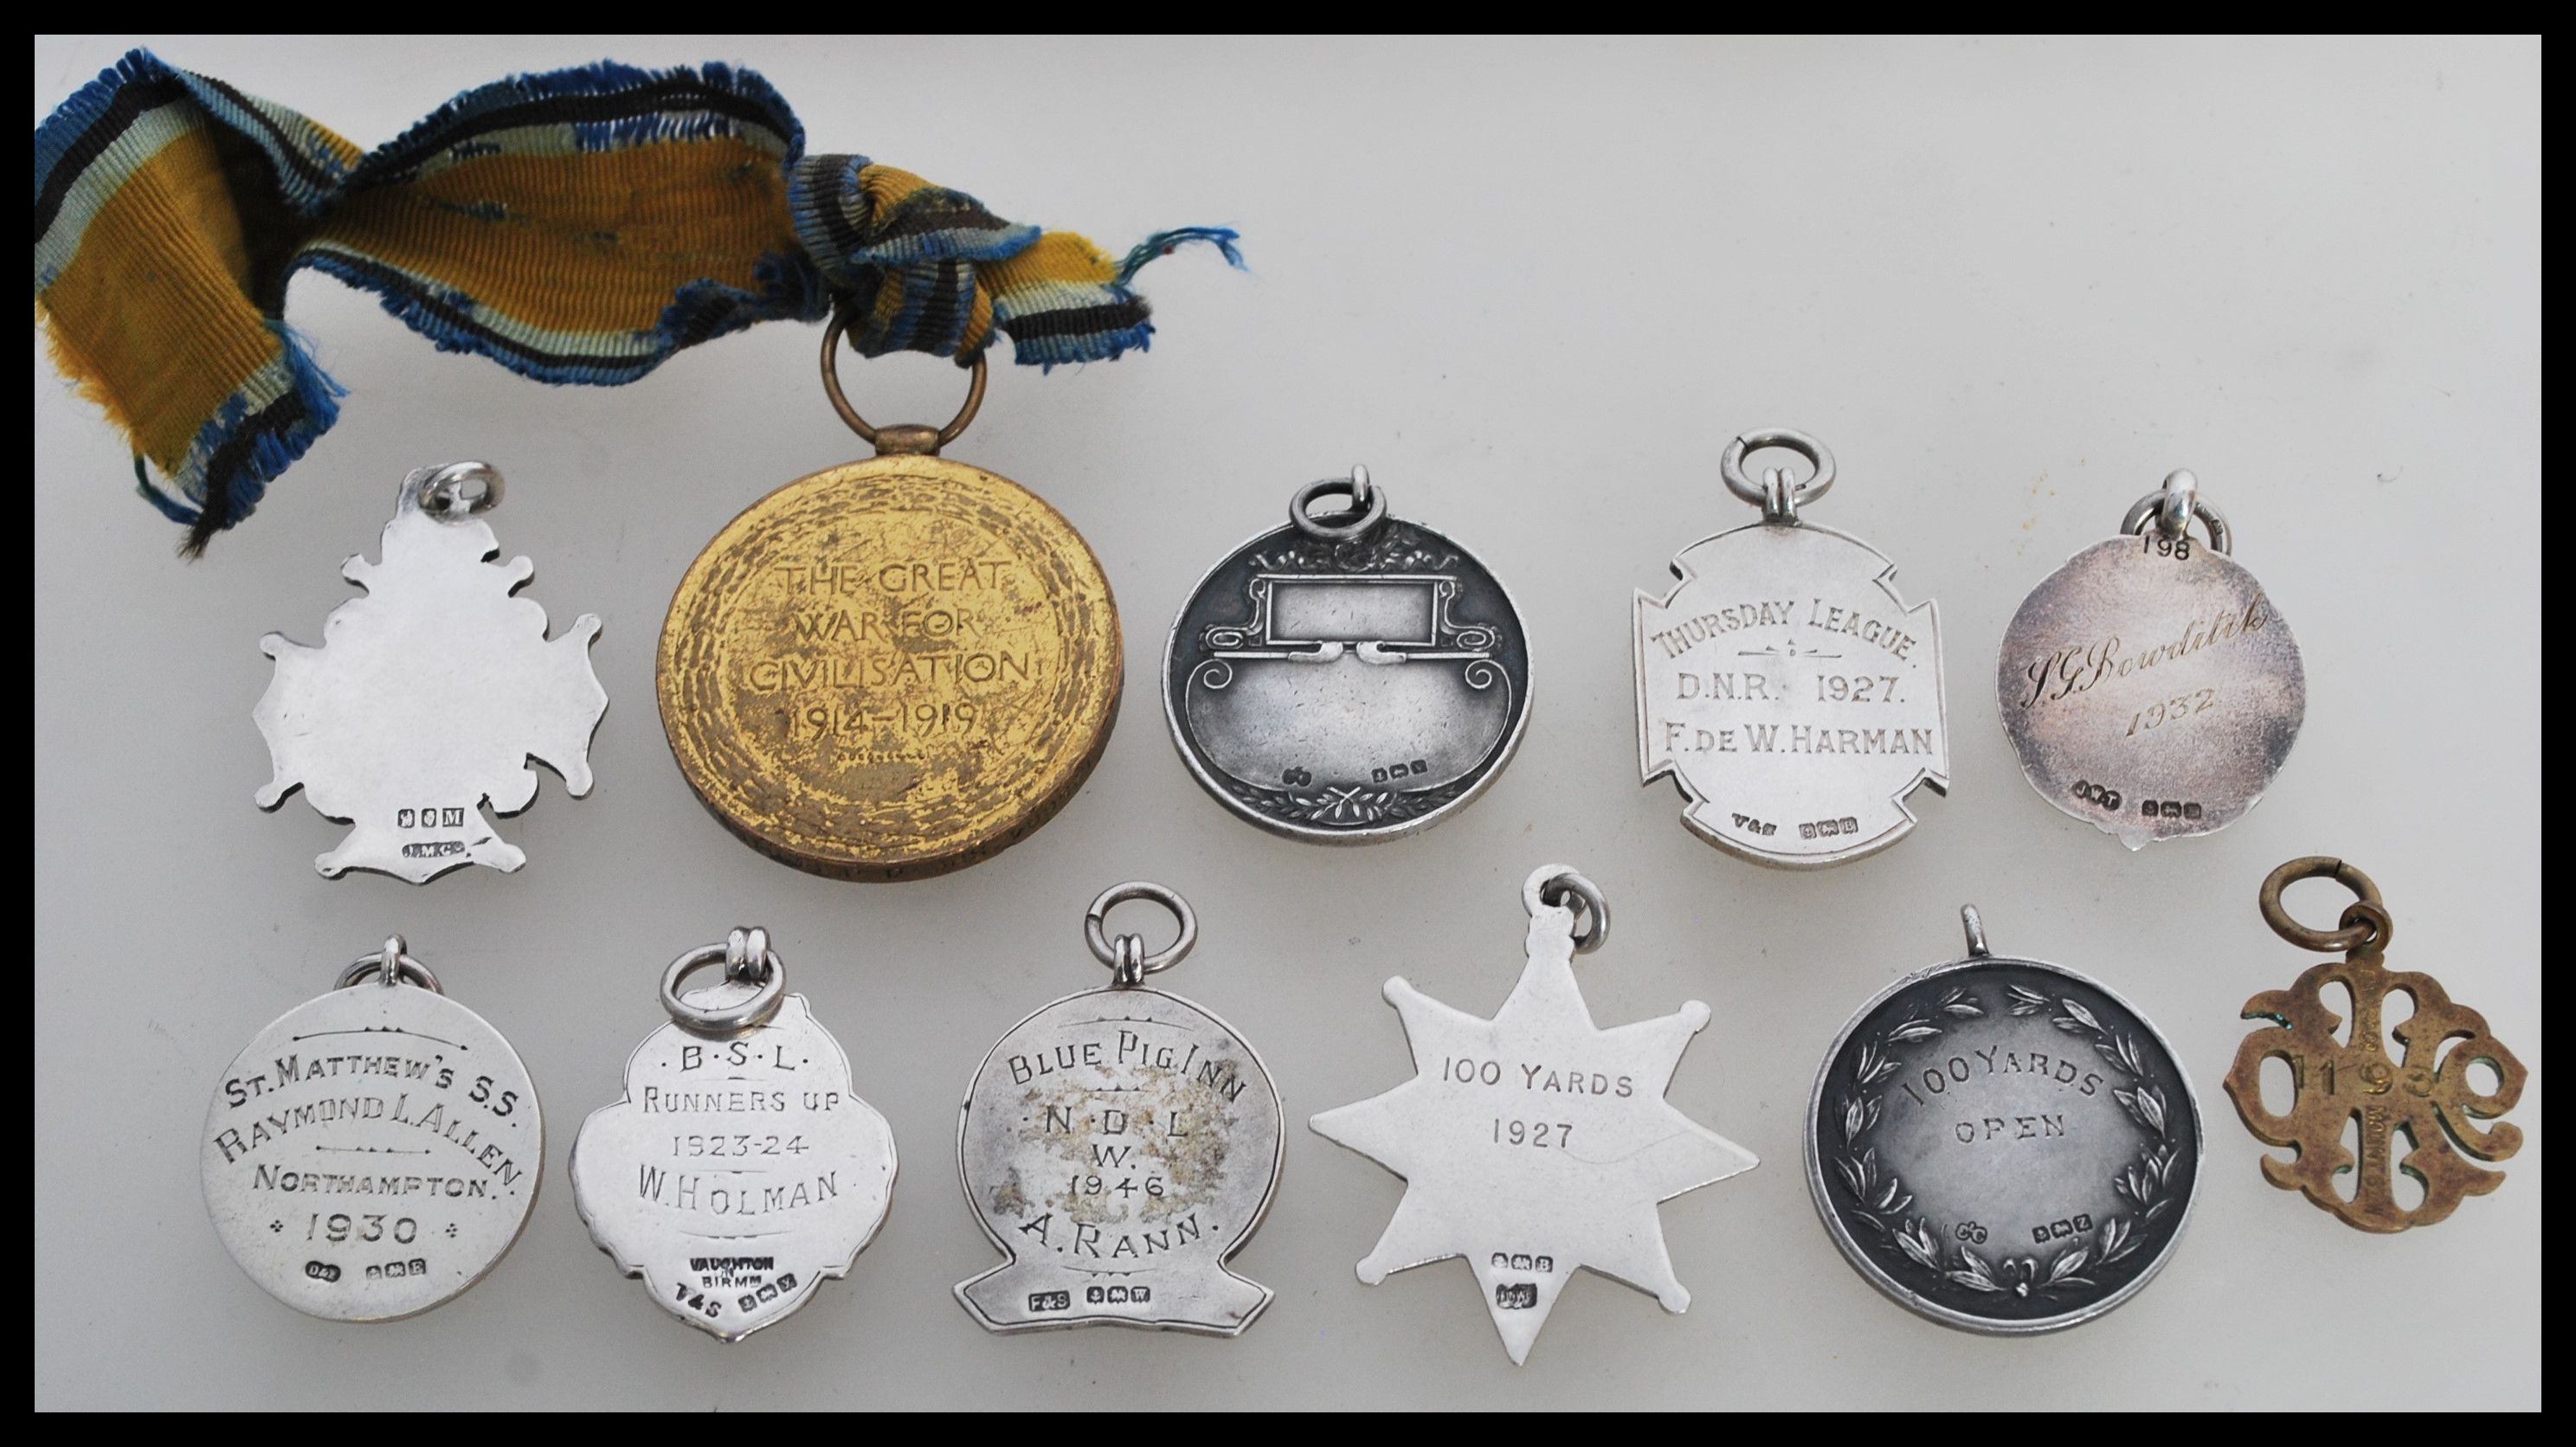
(1874, 1064)
(1879, 1198)
(1855, 1174)
(1973, 1273)
(2117, 1240)
(2146, 1104)
(1916, 1242)
(1860, 1112)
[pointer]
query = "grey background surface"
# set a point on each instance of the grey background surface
(1535, 287)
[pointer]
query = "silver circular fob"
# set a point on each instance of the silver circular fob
(1784, 684)
(2003, 1145)
(740, 1170)
(2149, 685)
(1349, 677)
(1119, 1146)
(374, 1151)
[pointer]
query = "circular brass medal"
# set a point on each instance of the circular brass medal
(890, 669)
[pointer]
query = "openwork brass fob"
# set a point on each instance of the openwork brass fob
(2424, 1098)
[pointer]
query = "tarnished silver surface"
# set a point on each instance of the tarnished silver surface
(1535, 1142)
(2003, 1145)
(1347, 678)
(374, 1151)
(431, 696)
(1786, 687)
(1119, 1146)
(2149, 686)
(740, 1169)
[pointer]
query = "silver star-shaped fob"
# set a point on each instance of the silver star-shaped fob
(1536, 1142)
(432, 696)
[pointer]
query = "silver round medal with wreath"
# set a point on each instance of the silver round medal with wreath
(2003, 1145)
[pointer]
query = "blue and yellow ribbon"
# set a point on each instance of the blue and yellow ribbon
(577, 227)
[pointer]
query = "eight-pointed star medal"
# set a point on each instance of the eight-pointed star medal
(1536, 1142)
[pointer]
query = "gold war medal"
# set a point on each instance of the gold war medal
(2419, 1112)
(891, 668)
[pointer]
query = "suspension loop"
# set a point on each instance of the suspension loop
(2364, 924)
(1126, 958)
(747, 960)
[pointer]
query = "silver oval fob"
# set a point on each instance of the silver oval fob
(1347, 678)
(1119, 1146)
(432, 696)
(740, 1169)
(2149, 685)
(375, 1151)
(1785, 685)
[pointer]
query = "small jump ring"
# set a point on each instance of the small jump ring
(441, 491)
(747, 954)
(2174, 512)
(867, 431)
(404, 970)
(2366, 922)
(732, 1019)
(1548, 888)
(1367, 509)
(2167, 501)
(1128, 970)
(1730, 466)
(1779, 495)
(2372, 920)
(1110, 954)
